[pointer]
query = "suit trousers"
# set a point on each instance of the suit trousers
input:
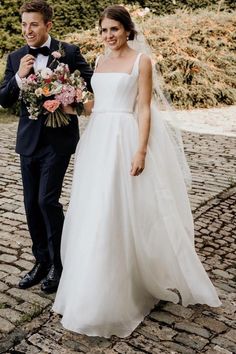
(42, 177)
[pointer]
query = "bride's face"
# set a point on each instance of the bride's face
(113, 34)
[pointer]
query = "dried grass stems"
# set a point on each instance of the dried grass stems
(196, 56)
(195, 53)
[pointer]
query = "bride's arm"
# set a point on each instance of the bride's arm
(144, 113)
(87, 108)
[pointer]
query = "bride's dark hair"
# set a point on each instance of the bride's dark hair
(120, 14)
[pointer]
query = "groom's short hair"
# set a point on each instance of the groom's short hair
(40, 6)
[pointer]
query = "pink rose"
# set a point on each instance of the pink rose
(56, 55)
(78, 95)
(51, 105)
(32, 77)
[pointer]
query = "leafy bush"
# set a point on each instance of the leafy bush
(74, 15)
(195, 54)
(195, 51)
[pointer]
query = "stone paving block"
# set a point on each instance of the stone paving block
(12, 280)
(7, 268)
(11, 315)
(24, 264)
(178, 310)
(148, 346)
(26, 348)
(8, 250)
(8, 301)
(80, 342)
(27, 257)
(9, 207)
(174, 348)
(15, 245)
(163, 317)
(28, 308)
(225, 343)
(7, 258)
(218, 350)
(6, 326)
(48, 346)
(192, 328)
(14, 216)
(191, 341)
(3, 287)
(230, 335)
(156, 332)
(29, 296)
(122, 348)
(2, 275)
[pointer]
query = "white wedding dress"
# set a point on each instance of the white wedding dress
(127, 241)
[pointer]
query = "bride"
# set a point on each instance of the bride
(128, 238)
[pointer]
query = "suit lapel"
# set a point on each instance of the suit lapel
(53, 47)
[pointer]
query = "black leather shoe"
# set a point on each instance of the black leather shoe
(50, 284)
(33, 277)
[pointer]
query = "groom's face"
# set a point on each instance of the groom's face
(34, 28)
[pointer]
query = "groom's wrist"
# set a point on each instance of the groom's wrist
(18, 80)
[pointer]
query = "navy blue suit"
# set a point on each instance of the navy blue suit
(45, 154)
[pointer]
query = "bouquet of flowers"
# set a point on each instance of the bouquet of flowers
(46, 91)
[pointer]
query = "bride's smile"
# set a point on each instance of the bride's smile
(114, 34)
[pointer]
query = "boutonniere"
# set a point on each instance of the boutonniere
(57, 54)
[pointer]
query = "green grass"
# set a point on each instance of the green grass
(6, 117)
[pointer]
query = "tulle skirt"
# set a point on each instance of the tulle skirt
(127, 242)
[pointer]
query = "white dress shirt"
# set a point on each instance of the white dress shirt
(40, 62)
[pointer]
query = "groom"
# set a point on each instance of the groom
(44, 152)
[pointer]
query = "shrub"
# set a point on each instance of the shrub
(195, 54)
(74, 15)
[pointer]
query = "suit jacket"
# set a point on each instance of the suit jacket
(32, 132)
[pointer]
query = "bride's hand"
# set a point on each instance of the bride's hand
(138, 163)
(69, 109)
(88, 105)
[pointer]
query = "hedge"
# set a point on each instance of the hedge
(74, 15)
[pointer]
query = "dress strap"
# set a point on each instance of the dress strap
(135, 69)
(97, 60)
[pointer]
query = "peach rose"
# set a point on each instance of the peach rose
(51, 105)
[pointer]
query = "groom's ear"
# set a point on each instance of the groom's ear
(49, 25)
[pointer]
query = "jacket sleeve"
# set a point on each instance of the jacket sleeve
(9, 90)
(84, 68)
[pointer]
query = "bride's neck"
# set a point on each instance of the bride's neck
(121, 52)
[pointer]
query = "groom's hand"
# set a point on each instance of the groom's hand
(26, 64)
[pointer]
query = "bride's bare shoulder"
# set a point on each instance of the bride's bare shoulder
(145, 61)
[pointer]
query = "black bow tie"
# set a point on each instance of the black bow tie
(41, 50)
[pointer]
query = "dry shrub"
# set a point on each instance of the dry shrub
(195, 53)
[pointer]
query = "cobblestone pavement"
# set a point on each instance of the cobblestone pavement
(28, 326)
